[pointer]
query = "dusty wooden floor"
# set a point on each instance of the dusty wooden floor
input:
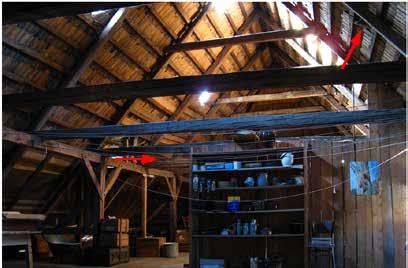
(134, 262)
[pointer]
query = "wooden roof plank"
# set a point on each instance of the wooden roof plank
(395, 39)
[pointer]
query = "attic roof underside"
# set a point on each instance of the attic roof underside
(132, 43)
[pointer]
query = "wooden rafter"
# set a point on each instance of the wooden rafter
(26, 186)
(395, 39)
(296, 110)
(67, 178)
(33, 141)
(274, 96)
(224, 52)
(86, 61)
(19, 12)
(244, 38)
(221, 124)
(73, 77)
(352, 98)
(271, 78)
(165, 58)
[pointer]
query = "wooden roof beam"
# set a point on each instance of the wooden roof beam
(270, 78)
(245, 38)
(78, 70)
(295, 110)
(164, 59)
(298, 94)
(20, 12)
(64, 149)
(393, 37)
(232, 123)
(309, 59)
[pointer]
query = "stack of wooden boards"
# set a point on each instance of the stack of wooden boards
(112, 242)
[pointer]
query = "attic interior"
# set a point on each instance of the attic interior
(204, 134)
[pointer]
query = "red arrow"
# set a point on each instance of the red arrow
(144, 159)
(355, 42)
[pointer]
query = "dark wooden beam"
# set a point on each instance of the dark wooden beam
(29, 140)
(222, 124)
(380, 26)
(244, 38)
(14, 12)
(271, 78)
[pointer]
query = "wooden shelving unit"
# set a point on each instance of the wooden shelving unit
(207, 222)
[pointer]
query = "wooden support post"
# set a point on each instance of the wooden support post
(102, 189)
(173, 211)
(144, 206)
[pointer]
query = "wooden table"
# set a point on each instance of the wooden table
(20, 238)
(17, 231)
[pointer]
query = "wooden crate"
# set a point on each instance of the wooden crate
(124, 255)
(107, 256)
(119, 225)
(124, 225)
(113, 240)
(149, 247)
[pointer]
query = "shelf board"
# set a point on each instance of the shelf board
(248, 236)
(260, 187)
(251, 211)
(294, 167)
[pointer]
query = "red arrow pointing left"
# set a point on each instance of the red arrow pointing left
(144, 159)
(355, 42)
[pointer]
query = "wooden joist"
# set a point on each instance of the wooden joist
(380, 26)
(308, 109)
(23, 11)
(244, 38)
(275, 122)
(299, 94)
(271, 78)
(64, 149)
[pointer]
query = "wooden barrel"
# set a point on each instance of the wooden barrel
(170, 250)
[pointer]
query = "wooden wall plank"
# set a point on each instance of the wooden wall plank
(338, 202)
(350, 238)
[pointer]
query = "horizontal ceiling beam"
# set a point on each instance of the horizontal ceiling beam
(299, 94)
(14, 12)
(380, 26)
(34, 141)
(273, 122)
(244, 38)
(295, 77)
(297, 110)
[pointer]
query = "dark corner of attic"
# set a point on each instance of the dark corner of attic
(219, 134)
